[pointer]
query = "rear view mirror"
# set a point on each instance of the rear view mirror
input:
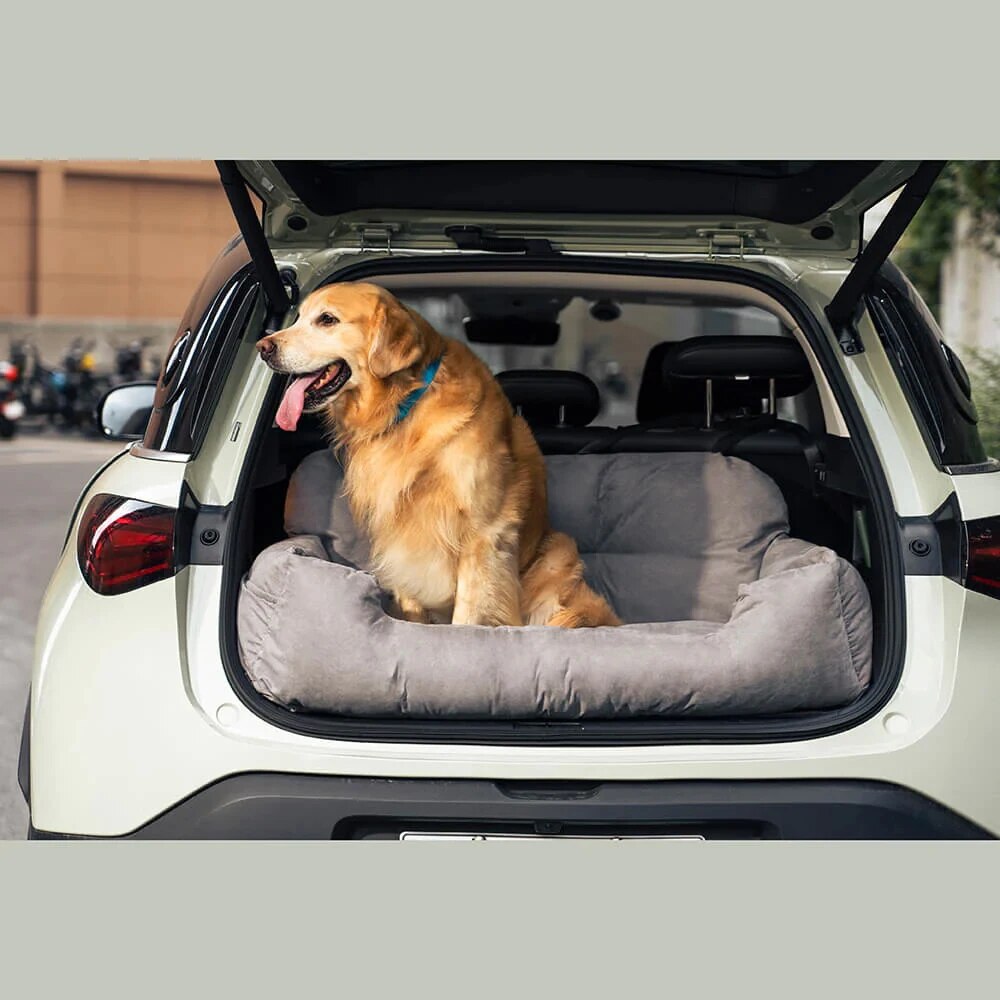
(123, 413)
(516, 319)
(514, 331)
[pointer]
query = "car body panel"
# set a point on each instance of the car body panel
(177, 733)
(132, 710)
(978, 495)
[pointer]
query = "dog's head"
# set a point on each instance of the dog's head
(348, 337)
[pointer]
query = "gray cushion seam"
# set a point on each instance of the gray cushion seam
(255, 647)
(281, 599)
(843, 621)
(761, 572)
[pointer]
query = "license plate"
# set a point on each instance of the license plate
(423, 835)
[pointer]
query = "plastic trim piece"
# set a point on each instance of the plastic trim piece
(269, 806)
(24, 754)
(935, 545)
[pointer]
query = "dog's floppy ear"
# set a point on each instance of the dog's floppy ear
(396, 340)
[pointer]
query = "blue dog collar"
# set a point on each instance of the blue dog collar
(411, 398)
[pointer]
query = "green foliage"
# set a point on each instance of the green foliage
(979, 191)
(973, 185)
(984, 373)
(927, 240)
(970, 184)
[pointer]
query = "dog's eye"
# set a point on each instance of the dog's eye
(327, 319)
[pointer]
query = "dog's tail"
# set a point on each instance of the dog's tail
(553, 591)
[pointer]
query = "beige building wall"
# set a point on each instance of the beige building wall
(106, 250)
(17, 209)
(120, 239)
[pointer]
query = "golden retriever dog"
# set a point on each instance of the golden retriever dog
(448, 483)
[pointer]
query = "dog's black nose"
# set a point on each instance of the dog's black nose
(267, 347)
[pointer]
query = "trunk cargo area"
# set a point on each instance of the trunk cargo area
(631, 339)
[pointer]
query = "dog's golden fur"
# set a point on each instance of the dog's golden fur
(453, 496)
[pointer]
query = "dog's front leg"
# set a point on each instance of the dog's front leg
(489, 588)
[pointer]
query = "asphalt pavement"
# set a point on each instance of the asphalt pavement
(41, 477)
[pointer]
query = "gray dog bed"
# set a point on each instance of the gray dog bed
(726, 614)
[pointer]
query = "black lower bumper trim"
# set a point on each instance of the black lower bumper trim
(268, 806)
(24, 754)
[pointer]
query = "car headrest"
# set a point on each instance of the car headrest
(740, 369)
(551, 398)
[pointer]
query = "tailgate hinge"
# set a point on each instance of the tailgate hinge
(728, 242)
(376, 236)
(849, 339)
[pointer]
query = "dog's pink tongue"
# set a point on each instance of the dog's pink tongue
(292, 402)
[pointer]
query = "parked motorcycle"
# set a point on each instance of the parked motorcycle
(82, 387)
(20, 358)
(129, 361)
(40, 386)
(66, 395)
(11, 407)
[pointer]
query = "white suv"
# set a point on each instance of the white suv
(142, 721)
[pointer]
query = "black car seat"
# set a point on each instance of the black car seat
(718, 394)
(558, 406)
(705, 381)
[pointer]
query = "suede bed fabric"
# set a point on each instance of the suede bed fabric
(727, 615)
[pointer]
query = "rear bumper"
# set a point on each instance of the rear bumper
(118, 750)
(314, 807)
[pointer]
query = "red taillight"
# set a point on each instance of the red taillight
(124, 544)
(982, 571)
